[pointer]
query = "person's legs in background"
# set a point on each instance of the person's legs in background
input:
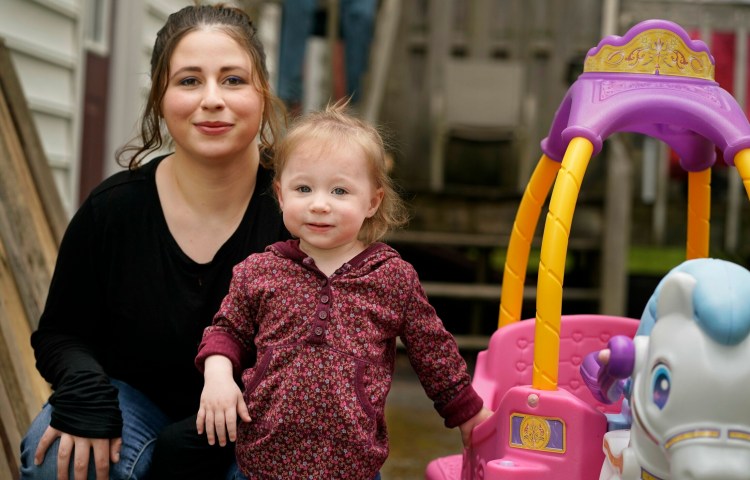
(142, 422)
(296, 25)
(357, 25)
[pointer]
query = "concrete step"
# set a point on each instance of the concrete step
(481, 240)
(473, 291)
(466, 343)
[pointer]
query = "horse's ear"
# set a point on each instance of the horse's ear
(676, 295)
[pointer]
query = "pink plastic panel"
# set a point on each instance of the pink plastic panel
(503, 377)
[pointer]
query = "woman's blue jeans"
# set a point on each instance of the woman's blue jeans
(142, 423)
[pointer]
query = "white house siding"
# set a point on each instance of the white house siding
(45, 40)
(136, 25)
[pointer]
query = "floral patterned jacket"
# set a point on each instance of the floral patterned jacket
(325, 358)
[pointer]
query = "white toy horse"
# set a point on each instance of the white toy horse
(689, 385)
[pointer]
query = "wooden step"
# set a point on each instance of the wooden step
(479, 290)
(482, 240)
(471, 291)
(473, 343)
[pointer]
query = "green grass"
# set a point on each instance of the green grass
(497, 260)
(642, 260)
(645, 260)
(649, 260)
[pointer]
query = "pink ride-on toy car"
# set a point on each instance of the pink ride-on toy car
(655, 81)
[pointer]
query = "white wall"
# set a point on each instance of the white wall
(45, 38)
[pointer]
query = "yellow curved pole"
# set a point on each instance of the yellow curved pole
(552, 263)
(742, 162)
(524, 225)
(699, 214)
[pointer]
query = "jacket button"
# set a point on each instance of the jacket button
(322, 314)
(318, 331)
(324, 299)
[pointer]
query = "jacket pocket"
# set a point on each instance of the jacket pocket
(251, 377)
(311, 391)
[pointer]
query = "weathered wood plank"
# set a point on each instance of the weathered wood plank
(26, 389)
(35, 157)
(31, 226)
(9, 438)
(24, 231)
(10, 434)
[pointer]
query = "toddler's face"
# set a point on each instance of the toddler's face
(326, 193)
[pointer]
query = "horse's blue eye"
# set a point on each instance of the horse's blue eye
(661, 383)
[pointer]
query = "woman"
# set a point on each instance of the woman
(147, 258)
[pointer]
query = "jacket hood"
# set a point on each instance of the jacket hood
(369, 259)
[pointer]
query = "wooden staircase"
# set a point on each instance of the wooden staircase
(457, 244)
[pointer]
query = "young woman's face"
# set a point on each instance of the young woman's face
(326, 194)
(211, 106)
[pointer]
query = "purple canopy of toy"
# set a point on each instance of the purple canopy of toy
(689, 112)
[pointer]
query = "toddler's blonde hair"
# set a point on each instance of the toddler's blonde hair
(334, 127)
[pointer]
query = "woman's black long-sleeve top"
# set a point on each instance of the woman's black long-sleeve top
(125, 302)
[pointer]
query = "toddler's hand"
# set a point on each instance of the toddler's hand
(219, 408)
(221, 403)
(468, 426)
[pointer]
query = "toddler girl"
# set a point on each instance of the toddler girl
(323, 312)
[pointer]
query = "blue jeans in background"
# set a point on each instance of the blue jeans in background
(357, 19)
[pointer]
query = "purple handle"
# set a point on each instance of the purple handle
(621, 358)
(607, 381)
(614, 374)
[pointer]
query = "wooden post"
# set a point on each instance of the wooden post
(31, 145)
(332, 35)
(616, 241)
(479, 29)
(734, 185)
(440, 39)
(386, 30)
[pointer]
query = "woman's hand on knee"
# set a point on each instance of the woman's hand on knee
(105, 450)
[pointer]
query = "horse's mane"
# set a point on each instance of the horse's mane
(721, 299)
